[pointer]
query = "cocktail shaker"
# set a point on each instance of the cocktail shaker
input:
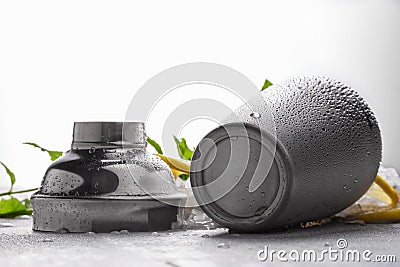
(317, 156)
(95, 186)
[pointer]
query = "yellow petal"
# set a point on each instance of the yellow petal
(177, 173)
(175, 164)
(392, 215)
(382, 191)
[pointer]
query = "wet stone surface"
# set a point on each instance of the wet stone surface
(20, 246)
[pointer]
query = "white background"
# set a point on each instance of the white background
(66, 61)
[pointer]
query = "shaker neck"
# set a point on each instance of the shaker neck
(87, 135)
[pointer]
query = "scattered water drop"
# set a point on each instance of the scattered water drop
(223, 245)
(6, 225)
(62, 231)
(23, 217)
(255, 115)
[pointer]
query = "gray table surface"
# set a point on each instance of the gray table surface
(20, 246)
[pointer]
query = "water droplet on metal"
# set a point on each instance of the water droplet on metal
(255, 115)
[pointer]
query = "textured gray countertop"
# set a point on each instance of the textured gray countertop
(20, 246)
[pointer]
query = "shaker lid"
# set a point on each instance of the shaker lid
(108, 133)
(223, 167)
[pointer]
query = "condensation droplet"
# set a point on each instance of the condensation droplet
(255, 115)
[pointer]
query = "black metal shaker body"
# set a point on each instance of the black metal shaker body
(317, 156)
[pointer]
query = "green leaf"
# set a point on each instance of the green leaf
(184, 176)
(154, 144)
(11, 174)
(27, 203)
(183, 150)
(12, 207)
(53, 154)
(266, 85)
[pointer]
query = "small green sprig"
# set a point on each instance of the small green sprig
(154, 144)
(183, 150)
(53, 154)
(12, 207)
(266, 85)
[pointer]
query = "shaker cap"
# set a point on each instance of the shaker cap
(128, 134)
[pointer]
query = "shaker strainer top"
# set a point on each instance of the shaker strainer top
(107, 182)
